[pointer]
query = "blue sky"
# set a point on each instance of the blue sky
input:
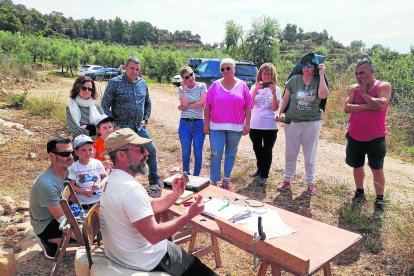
(386, 22)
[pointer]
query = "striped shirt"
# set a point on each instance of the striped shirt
(194, 95)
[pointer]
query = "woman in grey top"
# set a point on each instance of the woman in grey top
(82, 111)
(192, 95)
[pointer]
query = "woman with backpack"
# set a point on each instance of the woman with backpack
(302, 97)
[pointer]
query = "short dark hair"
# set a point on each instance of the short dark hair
(79, 82)
(132, 59)
(51, 144)
(365, 61)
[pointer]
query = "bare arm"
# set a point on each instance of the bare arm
(183, 98)
(323, 90)
(246, 128)
(206, 127)
(283, 103)
(154, 232)
(78, 190)
(198, 104)
(350, 106)
(164, 202)
(56, 211)
(384, 96)
(275, 103)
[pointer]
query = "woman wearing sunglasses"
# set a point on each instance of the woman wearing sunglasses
(303, 95)
(226, 118)
(192, 95)
(82, 110)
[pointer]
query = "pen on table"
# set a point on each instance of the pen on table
(225, 205)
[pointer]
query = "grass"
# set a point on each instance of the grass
(48, 107)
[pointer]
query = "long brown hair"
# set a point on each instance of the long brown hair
(267, 67)
(79, 82)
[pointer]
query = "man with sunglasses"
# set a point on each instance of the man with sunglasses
(131, 234)
(126, 99)
(367, 104)
(45, 211)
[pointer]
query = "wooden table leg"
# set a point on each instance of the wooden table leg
(216, 250)
(327, 270)
(194, 232)
(275, 270)
(263, 268)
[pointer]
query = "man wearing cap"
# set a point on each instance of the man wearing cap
(367, 104)
(130, 232)
(44, 208)
(127, 100)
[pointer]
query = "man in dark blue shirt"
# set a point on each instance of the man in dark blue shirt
(127, 100)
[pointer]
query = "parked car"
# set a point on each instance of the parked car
(194, 62)
(177, 80)
(86, 69)
(106, 73)
(209, 71)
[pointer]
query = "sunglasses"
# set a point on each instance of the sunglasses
(84, 88)
(64, 153)
(363, 60)
(189, 76)
(227, 68)
(141, 149)
(308, 65)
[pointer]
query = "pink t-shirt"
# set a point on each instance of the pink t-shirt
(228, 106)
(367, 125)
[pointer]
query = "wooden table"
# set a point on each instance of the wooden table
(304, 252)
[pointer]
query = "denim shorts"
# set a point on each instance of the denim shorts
(375, 149)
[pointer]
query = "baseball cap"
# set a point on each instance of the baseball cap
(103, 119)
(122, 137)
(81, 140)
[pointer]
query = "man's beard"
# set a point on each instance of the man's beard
(141, 168)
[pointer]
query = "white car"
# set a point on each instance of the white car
(177, 80)
(87, 68)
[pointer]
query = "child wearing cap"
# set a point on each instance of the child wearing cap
(85, 175)
(104, 126)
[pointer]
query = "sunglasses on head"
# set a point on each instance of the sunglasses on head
(308, 65)
(84, 88)
(228, 68)
(189, 76)
(64, 153)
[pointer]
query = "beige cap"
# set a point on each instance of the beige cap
(122, 137)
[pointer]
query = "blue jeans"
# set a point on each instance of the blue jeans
(192, 133)
(152, 157)
(218, 140)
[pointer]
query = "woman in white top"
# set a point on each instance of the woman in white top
(263, 128)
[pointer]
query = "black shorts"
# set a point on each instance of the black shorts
(51, 231)
(375, 149)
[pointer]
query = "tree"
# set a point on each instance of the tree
(142, 33)
(119, 31)
(234, 33)
(262, 41)
(290, 33)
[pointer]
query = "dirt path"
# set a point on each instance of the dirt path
(331, 166)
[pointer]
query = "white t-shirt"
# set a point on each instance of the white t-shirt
(123, 202)
(85, 177)
(262, 115)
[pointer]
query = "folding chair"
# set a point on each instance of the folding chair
(68, 226)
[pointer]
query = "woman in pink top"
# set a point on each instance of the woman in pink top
(226, 118)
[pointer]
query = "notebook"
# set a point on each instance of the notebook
(196, 184)
(187, 195)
